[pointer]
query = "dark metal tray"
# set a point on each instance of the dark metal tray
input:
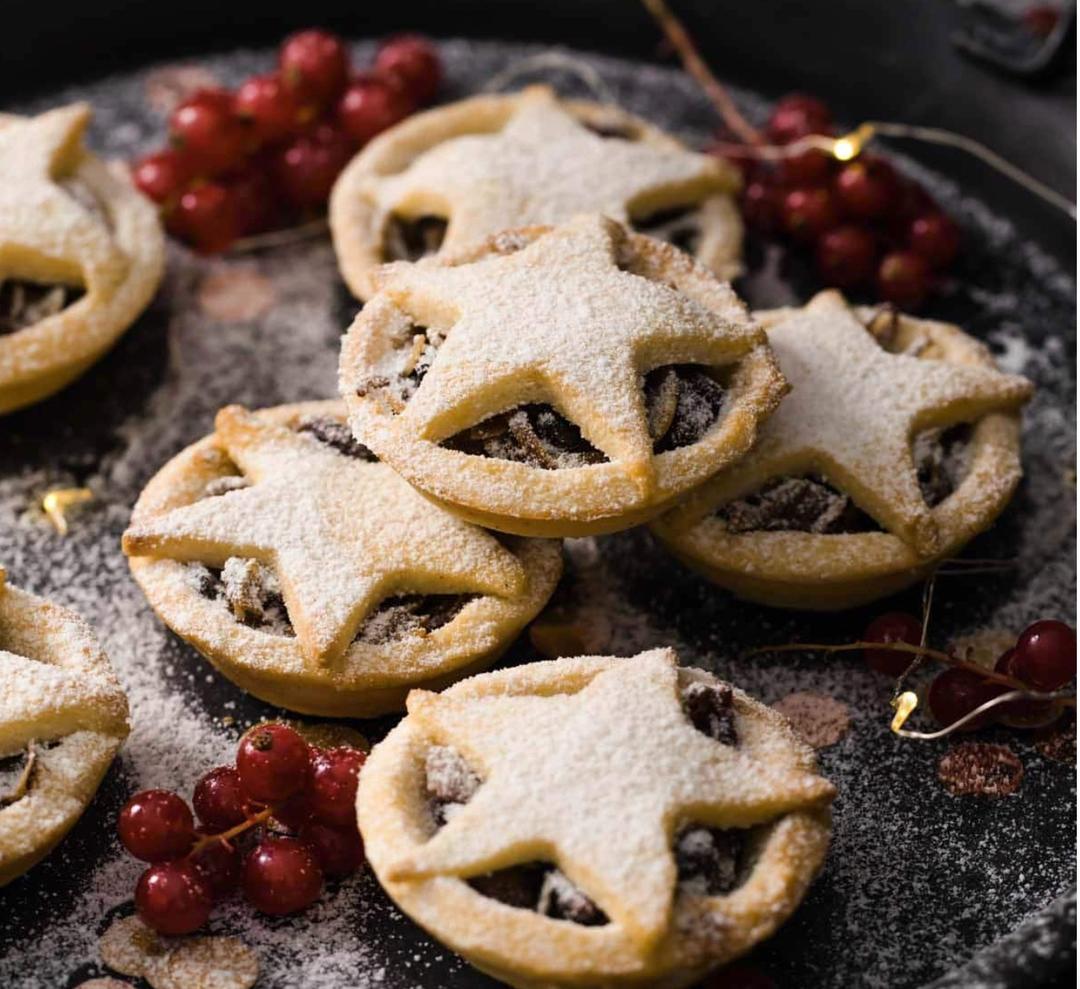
(920, 887)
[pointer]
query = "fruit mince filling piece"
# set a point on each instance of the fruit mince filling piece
(410, 614)
(24, 303)
(711, 710)
(410, 240)
(337, 435)
(707, 860)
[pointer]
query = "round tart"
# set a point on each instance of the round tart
(899, 443)
(448, 178)
(557, 381)
(81, 254)
(63, 717)
(596, 821)
(314, 577)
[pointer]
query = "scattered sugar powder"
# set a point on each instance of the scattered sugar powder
(916, 882)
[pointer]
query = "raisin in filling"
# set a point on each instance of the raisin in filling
(942, 459)
(682, 402)
(711, 711)
(23, 303)
(249, 589)
(679, 226)
(337, 435)
(410, 614)
(410, 240)
(796, 504)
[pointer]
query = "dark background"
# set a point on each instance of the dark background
(888, 59)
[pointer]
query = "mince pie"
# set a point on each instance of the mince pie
(595, 821)
(63, 717)
(899, 443)
(447, 179)
(557, 381)
(314, 577)
(81, 254)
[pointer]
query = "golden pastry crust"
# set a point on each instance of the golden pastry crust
(344, 535)
(797, 569)
(573, 316)
(46, 236)
(59, 693)
(528, 807)
(551, 147)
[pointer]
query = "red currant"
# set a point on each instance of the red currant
(219, 865)
(314, 64)
(255, 202)
(282, 875)
(761, 206)
(810, 167)
(173, 898)
(269, 106)
(1046, 655)
(156, 825)
(894, 626)
(1023, 714)
(955, 692)
(797, 115)
(1042, 19)
(414, 62)
(219, 799)
(206, 218)
(295, 812)
(339, 851)
(911, 200)
(370, 105)
(903, 278)
(211, 136)
(161, 176)
(334, 774)
(306, 169)
(846, 255)
(808, 213)
(935, 237)
(866, 188)
(272, 762)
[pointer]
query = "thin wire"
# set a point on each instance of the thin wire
(592, 79)
(1012, 695)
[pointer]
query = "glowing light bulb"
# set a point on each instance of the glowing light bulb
(57, 501)
(903, 705)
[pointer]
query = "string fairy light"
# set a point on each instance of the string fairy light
(847, 146)
(56, 503)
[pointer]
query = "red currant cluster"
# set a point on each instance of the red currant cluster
(274, 824)
(1043, 659)
(866, 224)
(255, 160)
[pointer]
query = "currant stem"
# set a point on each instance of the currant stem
(265, 814)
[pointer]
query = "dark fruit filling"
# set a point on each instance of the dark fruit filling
(711, 711)
(708, 860)
(410, 240)
(679, 226)
(612, 131)
(410, 614)
(16, 776)
(23, 304)
(942, 459)
(682, 401)
(336, 434)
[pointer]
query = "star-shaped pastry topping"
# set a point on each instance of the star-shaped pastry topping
(558, 322)
(598, 782)
(854, 408)
(543, 167)
(342, 533)
(45, 234)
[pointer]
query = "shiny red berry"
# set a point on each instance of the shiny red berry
(219, 799)
(935, 237)
(270, 107)
(1046, 655)
(205, 217)
(334, 775)
(761, 206)
(207, 131)
(173, 898)
(810, 167)
(846, 255)
(161, 176)
(413, 61)
(255, 200)
(156, 825)
(894, 626)
(339, 851)
(807, 213)
(797, 115)
(305, 170)
(314, 64)
(1023, 714)
(903, 278)
(272, 762)
(219, 864)
(866, 188)
(954, 693)
(370, 105)
(282, 875)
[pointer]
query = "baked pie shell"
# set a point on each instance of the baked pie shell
(39, 360)
(357, 222)
(825, 572)
(370, 679)
(66, 776)
(531, 951)
(580, 501)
